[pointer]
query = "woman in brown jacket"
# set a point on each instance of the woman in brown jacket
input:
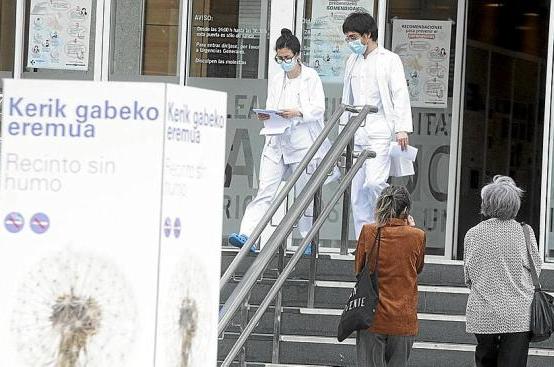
(400, 254)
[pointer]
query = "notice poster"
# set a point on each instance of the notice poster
(99, 204)
(59, 34)
(424, 47)
(325, 49)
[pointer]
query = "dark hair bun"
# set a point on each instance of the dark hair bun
(286, 32)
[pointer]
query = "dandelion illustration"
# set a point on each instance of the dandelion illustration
(187, 316)
(74, 309)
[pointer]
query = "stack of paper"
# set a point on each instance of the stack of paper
(275, 125)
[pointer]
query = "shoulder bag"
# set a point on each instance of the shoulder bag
(359, 312)
(542, 307)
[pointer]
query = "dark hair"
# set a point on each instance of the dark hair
(287, 40)
(394, 202)
(361, 23)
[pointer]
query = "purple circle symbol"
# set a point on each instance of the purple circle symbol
(14, 222)
(40, 223)
(167, 226)
(177, 228)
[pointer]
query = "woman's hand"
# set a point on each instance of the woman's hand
(411, 221)
(289, 113)
(262, 116)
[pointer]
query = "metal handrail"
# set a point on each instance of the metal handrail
(264, 257)
(344, 184)
(283, 193)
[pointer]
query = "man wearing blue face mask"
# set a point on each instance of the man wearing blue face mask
(297, 93)
(375, 76)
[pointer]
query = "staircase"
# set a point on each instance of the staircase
(308, 335)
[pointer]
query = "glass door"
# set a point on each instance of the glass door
(426, 40)
(503, 117)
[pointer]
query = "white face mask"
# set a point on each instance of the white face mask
(288, 66)
(357, 47)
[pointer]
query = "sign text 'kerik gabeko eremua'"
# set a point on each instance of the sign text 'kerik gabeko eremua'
(54, 118)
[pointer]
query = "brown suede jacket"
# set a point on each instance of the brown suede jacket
(401, 256)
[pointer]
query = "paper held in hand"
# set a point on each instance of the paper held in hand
(396, 152)
(275, 125)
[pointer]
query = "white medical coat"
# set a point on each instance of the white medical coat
(395, 99)
(304, 130)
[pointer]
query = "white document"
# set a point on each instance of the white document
(397, 152)
(275, 125)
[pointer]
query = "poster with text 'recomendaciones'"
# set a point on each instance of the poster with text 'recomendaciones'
(424, 47)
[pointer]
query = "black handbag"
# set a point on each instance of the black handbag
(359, 312)
(542, 307)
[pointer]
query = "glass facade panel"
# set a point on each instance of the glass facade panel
(503, 117)
(144, 43)
(324, 49)
(229, 52)
(229, 39)
(432, 126)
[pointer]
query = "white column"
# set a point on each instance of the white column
(19, 44)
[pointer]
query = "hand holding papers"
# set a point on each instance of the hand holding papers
(275, 125)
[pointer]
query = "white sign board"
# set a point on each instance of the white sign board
(59, 34)
(87, 183)
(424, 47)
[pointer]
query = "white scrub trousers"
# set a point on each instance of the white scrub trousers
(368, 183)
(271, 175)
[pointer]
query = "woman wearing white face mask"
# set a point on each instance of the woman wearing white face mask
(298, 94)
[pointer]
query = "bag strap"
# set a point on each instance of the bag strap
(533, 270)
(376, 243)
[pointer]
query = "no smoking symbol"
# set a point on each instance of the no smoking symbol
(14, 222)
(40, 223)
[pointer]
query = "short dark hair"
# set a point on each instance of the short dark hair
(362, 23)
(288, 40)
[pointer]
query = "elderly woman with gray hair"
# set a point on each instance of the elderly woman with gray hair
(497, 272)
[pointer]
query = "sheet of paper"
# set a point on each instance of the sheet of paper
(409, 154)
(267, 112)
(275, 125)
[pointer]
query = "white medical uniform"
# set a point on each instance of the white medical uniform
(282, 153)
(376, 80)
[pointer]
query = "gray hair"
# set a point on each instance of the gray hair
(394, 202)
(501, 198)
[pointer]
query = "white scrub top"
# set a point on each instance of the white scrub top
(365, 90)
(290, 99)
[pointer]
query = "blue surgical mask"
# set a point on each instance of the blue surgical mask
(357, 47)
(288, 66)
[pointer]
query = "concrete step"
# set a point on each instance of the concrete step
(340, 268)
(433, 328)
(318, 350)
(334, 294)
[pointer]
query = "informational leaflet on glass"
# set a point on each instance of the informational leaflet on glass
(59, 34)
(424, 47)
(325, 49)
